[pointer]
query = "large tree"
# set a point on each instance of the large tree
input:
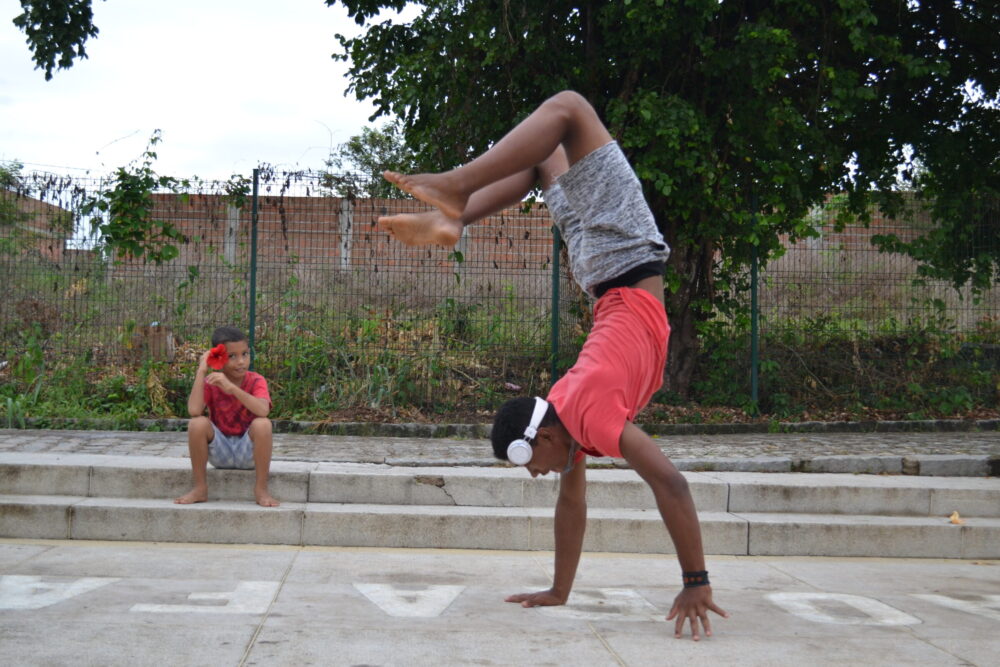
(738, 116)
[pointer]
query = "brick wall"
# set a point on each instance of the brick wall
(338, 233)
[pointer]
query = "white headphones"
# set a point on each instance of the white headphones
(519, 452)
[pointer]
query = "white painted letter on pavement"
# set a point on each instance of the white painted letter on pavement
(24, 592)
(250, 597)
(988, 607)
(410, 601)
(805, 605)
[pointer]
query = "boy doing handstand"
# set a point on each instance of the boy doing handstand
(237, 432)
(617, 255)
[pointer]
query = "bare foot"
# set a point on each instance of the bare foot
(434, 189)
(428, 228)
(195, 495)
(265, 499)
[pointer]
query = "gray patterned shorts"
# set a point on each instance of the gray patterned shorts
(231, 451)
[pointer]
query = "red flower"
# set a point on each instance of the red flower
(217, 356)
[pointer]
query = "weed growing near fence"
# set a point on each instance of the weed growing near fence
(389, 364)
(829, 366)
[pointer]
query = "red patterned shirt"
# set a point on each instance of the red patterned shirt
(226, 411)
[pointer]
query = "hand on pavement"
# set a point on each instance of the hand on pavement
(693, 604)
(540, 599)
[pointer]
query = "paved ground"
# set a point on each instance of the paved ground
(121, 603)
(153, 604)
(767, 452)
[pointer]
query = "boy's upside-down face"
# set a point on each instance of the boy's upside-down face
(551, 451)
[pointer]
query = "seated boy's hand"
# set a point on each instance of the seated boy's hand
(221, 382)
(540, 599)
(693, 604)
(203, 363)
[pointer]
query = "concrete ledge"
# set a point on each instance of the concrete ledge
(144, 477)
(22, 473)
(871, 536)
(416, 527)
(973, 500)
(887, 426)
(814, 493)
(642, 531)
(491, 487)
(37, 517)
(610, 530)
(166, 478)
(93, 475)
(147, 520)
(383, 484)
(631, 531)
(861, 494)
(876, 465)
(776, 464)
(948, 465)
(624, 489)
(482, 431)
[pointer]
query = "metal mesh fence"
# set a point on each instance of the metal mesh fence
(848, 328)
(839, 281)
(338, 304)
(342, 315)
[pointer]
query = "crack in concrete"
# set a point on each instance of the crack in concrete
(451, 497)
(267, 614)
(438, 481)
(607, 646)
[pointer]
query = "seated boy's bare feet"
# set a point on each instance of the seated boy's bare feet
(265, 499)
(434, 189)
(418, 229)
(195, 495)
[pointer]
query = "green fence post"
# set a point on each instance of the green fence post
(253, 265)
(555, 302)
(754, 314)
(754, 334)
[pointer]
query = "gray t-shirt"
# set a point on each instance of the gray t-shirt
(603, 218)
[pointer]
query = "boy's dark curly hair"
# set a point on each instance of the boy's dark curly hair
(227, 334)
(511, 420)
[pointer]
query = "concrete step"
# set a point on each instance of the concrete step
(98, 497)
(99, 476)
(471, 527)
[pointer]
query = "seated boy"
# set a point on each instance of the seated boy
(237, 432)
(617, 254)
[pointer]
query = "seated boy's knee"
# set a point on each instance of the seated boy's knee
(200, 425)
(260, 426)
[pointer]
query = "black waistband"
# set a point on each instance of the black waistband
(630, 277)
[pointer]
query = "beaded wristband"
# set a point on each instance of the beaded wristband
(695, 579)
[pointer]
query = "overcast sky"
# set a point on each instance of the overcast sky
(230, 83)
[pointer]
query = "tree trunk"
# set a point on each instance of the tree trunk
(682, 353)
(693, 262)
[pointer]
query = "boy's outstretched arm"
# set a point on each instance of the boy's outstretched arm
(673, 498)
(570, 525)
